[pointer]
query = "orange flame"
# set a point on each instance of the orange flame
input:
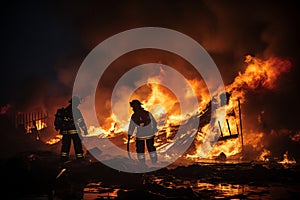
(39, 125)
(258, 73)
(286, 159)
(54, 140)
(265, 155)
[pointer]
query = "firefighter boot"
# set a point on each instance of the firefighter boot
(141, 158)
(153, 157)
(64, 157)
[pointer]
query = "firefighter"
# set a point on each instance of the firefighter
(73, 124)
(146, 126)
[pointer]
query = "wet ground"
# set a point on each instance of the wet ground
(39, 175)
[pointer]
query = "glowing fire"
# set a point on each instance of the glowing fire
(37, 125)
(287, 160)
(54, 140)
(258, 73)
(265, 155)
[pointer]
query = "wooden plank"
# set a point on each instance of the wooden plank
(226, 137)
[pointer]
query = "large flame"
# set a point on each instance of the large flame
(259, 73)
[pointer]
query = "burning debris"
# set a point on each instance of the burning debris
(258, 73)
(216, 136)
(227, 133)
(30, 121)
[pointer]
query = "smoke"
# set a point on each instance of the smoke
(227, 30)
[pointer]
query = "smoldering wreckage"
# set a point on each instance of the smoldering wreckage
(37, 174)
(30, 167)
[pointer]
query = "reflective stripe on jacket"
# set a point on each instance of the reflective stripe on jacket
(70, 132)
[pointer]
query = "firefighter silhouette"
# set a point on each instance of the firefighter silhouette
(146, 126)
(70, 128)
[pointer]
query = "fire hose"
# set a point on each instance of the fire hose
(128, 141)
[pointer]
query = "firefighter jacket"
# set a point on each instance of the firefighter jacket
(144, 123)
(74, 121)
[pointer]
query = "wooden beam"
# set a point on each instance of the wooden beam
(241, 128)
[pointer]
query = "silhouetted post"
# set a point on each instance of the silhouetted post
(220, 128)
(36, 130)
(237, 129)
(228, 126)
(240, 115)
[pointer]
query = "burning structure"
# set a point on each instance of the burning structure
(229, 133)
(261, 112)
(232, 141)
(259, 74)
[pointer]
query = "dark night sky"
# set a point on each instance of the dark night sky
(44, 43)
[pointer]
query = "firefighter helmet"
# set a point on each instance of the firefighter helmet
(135, 103)
(75, 100)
